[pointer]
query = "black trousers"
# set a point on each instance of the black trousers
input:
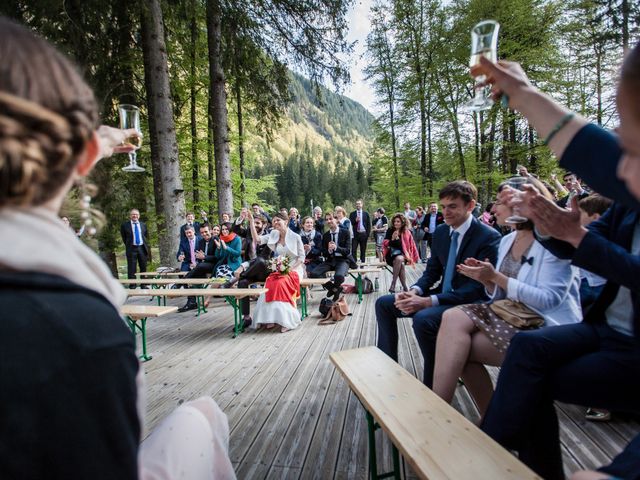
(136, 255)
(339, 265)
(359, 239)
(199, 271)
(581, 363)
(258, 271)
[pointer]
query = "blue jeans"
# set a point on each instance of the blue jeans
(585, 364)
(426, 324)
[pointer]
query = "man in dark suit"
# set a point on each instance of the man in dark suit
(361, 225)
(595, 362)
(337, 256)
(190, 217)
(461, 237)
(134, 237)
(205, 262)
(187, 250)
(434, 220)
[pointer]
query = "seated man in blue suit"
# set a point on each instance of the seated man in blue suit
(187, 249)
(460, 237)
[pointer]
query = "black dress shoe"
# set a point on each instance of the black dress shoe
(246, 323)
(336, 294)
(188, 306)
(329, 287)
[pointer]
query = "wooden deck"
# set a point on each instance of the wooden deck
(290, 413)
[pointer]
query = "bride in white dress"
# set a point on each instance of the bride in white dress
(278, 305)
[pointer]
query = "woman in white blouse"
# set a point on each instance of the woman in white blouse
(278, 305)
(472, 336)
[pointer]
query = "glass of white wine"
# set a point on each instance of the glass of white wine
(484, 43)
(130, 118)
(516, 183)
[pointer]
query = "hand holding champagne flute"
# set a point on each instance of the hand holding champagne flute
(484, 43)
(130, 119)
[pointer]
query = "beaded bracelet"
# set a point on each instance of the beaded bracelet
(559, 126)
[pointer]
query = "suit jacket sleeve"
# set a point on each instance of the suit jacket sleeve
(469, 290)
(343, 243)
(316, 245)
(123, 232)
(599, 254)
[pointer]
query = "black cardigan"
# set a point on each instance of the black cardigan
(67, 382)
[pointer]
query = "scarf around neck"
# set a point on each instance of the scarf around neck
(228, 238)
(55, 250)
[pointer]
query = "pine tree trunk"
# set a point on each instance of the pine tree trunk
(218, 108)
(429, 144)
(211, 172)
(238, 93)
(164, 147)
(193, 99)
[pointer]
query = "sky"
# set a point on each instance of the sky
(359, 26)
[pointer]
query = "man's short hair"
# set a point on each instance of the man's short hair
(317, 208)
(459, 189)
(330, 214)
(255, 205)
(205, 225)
(261, 218)
(569, 174)
(594, 204)
(189, 227)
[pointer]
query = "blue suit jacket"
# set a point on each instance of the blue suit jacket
(605, 252)
(479, 242)
(184, 248)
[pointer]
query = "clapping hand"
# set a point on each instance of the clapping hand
(395, 235)
(223, 244)
(410, 302)
(332, 246)
(217, 242)
(200, 255)
(307, 248)
(483, 272)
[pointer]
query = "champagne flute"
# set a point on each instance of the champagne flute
(484, 43)
(516, 183)
(130, 118)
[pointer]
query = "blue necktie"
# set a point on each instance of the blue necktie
(451, 263)
(136, 234)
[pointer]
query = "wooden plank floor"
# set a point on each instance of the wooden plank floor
(290, 413)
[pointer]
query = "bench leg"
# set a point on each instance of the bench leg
(373, 459)
(238, 324)
(143, 332)
(358, 279)
(303, 302)
(200, 304)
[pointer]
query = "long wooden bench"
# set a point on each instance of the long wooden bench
(159, 282)
(162, 274)
(231, 295)
(135, 313)
(436, 440)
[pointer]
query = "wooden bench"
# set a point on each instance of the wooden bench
(133, 313)
(356, 274)
(231, 295)
(305, 283)
(160, 274)
(158, 282)
(436, 440)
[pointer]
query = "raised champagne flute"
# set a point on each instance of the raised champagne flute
(130, 118)
(516, 183)
(484, 43)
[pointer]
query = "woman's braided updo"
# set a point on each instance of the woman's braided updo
(47, 115)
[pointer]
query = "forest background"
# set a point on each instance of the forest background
(227, 122)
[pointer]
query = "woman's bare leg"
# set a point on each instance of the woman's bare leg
(452, 351)
(475, 376)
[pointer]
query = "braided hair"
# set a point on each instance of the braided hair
(47, 115)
